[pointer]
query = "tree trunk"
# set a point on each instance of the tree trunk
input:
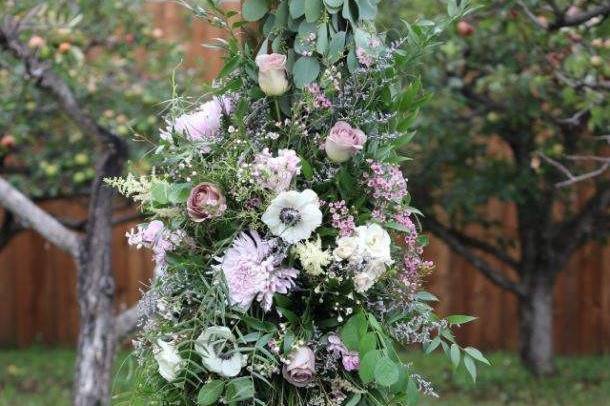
(97, 337)
(536, 325)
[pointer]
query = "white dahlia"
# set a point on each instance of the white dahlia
(293, 215)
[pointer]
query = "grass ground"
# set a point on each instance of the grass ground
(42, 377)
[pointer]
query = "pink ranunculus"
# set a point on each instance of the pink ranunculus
(301, 370)
(206, 201)
(343, 142)
(272, 74)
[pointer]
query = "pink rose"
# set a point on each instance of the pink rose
(301, 369)
(206, 201)
(343, 142)
(272, 74)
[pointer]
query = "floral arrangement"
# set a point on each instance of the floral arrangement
(289, 261)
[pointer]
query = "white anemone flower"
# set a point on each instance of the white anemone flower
(293, 215)
(218, 351)
(169, 360)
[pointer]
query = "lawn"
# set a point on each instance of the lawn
(42, 377)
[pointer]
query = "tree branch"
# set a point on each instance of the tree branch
(572, 233)
(32, 216)
(564, 20)
(46, 79)
(573, 179)
(457, 244)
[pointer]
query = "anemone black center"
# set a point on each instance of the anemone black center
(290, 216)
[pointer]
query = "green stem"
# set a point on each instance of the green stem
(277, 110)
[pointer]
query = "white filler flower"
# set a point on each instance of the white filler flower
(312, 257)
(218, 351)
(293, 215)
(168, 358)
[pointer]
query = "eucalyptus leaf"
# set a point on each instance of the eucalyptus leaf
(254, 10)
(305, 71)
(296, 8)
(336, 47)
(313, 10)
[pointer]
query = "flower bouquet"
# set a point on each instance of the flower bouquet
(289, 261)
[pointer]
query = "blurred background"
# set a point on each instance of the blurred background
(509, 167)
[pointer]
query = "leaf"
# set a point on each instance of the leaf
(386, 372)
(306, 169)
(470, 367)
(254, 10)
(313, 10)
(336, 47)
(426, 296)
(305, 71)
(433, 345)
(460, 319)
(240, 389)
(367, 10)
(346, 12)
(179, 192)
(322, 39)
(333, 3)
(367, 343)
(454, 354)
(412, 392)
(296, 8)
(476, 354)
(281, 15)
(367, 366)
(354, 400)
(210, 392)
(159, 192)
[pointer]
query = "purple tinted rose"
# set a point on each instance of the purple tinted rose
(206, 201)
(301, 370)
(343, 142)
(272, 74)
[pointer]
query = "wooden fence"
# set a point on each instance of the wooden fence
(38, 283)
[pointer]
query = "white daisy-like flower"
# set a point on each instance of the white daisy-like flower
(312, 257)
(293, 215)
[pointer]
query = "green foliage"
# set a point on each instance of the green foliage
(97, 48)
(505, 93)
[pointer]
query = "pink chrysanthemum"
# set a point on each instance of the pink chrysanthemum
(252, 271)
(203, 125)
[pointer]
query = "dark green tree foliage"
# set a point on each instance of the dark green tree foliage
(120, 70)
(521, 115)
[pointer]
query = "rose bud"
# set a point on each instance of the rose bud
(343, 142)
(205, 202)
(301, 370)
(464, 29)
(272, 74)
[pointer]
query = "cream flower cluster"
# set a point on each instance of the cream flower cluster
(369, 247)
